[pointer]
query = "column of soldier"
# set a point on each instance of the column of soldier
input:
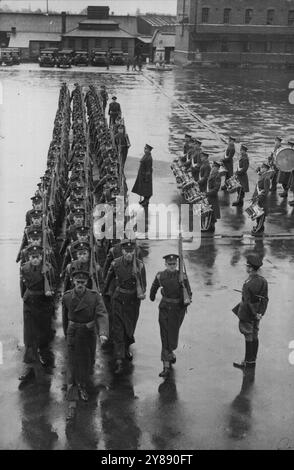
(201, 182)
(38, 254)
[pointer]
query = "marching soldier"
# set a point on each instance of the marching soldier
(251, 310)
(104, 96)
(114, 111)
(38, 309)
(228, 160)
(122, 143)
(204, 172)
(171, 309)
(143, 185)
(260, 196)
(130, 276)
(213, 187)
(241, 173)
(83, 314)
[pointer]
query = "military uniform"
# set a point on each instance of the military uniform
(114, 111)
(125, 302)
(82, 316)
(254, 302)
(171, 309)
(213, 186)
(38, 311)
(260, 196)
(204, 174)
(228, 161)
(241, 173)
(143, 184)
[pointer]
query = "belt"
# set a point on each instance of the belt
(91, 324)
(171, 301)
(35, 292)
(127, 291)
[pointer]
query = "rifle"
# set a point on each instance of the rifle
(140, 292)
(45, 267)
(183, 275)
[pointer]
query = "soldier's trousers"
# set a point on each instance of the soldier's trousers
(170, 319)
(249, 329)
(125, 310)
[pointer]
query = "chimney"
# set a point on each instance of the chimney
(13, 30)
(63, 22)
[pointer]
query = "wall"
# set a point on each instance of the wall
(77, 44)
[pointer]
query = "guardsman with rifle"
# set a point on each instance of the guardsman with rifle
(122, 143)
(84, 315)
(228, 161)
(37, 206)
(176, 296)
(251, 309)
(213, 187)
(130, 276)
(37, 286)
(241, 173)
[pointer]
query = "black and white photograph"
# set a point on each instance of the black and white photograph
(147, 227)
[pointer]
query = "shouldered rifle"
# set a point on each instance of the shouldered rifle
(46, 271)
(183, 276)
(140, 292)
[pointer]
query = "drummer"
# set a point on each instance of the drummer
(291, 182)
(228, 160)
(213, 186)
(286, 177)
(241, 173)
(272, 163)
(260, 197)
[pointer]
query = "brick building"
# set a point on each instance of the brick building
(235, 32)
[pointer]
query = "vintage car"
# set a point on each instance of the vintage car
(98, 58)
(15, 55)
(6, 57)
(64, 58)
(117, 57)
(80, 58)
(47, 58)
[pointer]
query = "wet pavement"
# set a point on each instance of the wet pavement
(206, 403)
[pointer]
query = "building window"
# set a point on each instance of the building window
(98, 43)
(125, 45)
(248, 15)
(227, 15)
(291, 17)
(246, 47)
(205, 15)
(71, 43)
(270, 16)
(268, 47)
(224, 46)
(85, 44)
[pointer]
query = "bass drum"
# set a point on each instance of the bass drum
(285, 159)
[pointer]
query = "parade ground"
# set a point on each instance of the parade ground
(205, 403)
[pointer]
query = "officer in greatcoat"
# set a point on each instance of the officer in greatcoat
(251, 310)
(241, 172)
(171, 309)
(83, 315)
(129, 273)
(143, 185)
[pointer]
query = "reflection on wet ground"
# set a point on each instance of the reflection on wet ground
(206, 403)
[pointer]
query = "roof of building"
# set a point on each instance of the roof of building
(159, 20)
(90, 33)
(23, 39)
(101, 21)
(164, 39)
(145, 39)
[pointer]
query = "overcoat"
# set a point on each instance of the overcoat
(143, 185)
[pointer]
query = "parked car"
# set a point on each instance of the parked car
(6, 57)
(81, 58)
(64, 58)
(47, 58)
(117, 57)
(98, 58)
